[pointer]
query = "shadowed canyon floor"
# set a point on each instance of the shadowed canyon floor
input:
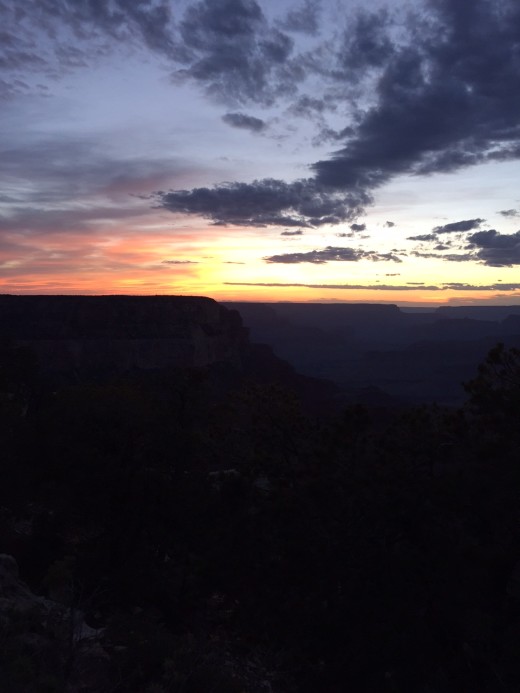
(380, 354)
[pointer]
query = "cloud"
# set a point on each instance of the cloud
(47, 37)
(180, 262)
(46, 169)
(389, 224)
(496, 249)
(230, 48)
(358, 227)
(50, 193)
(303, 19)
(482, 287)
(423, 237)
(246, 122)
(315, 109)
(440, 104)
(377, 287)
(494, 239)
(450, 257)
(366, 41)
(299, 232)
(510, 213)
(226, 46)
(425, 105)
(148, 20)
(460, 226)
(267, 202)
(387, 287)
(332, 254)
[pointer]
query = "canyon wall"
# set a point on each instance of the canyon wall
(121, 333)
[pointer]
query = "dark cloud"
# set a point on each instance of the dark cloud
(328, 134)
(246, 122)
(227, 46)
(459, 226)
(299, 232)
(510, 213)
(423, 237)
(231, 50)
(267, 202)
(304, 18)
(430, 105)
(358, 227)
(441, 104)
(494, 239)
(366, 42)
(332, 254)
(496, 249)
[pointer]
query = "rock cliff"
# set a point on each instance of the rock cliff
(121, 333)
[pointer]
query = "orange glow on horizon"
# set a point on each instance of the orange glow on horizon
(187, 284)
(226, 264)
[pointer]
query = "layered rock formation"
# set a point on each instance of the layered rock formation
(46, 644)
(121, 333)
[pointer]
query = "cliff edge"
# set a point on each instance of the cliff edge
(121, 333)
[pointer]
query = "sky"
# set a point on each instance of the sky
(261, 150)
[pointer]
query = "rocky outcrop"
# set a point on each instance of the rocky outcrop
(46, 645)
(120, 333)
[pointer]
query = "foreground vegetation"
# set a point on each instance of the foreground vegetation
(220, 539)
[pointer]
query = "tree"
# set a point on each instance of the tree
(497, 385)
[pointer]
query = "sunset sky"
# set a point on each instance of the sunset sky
(261, 150)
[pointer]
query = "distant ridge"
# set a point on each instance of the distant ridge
(415, 356)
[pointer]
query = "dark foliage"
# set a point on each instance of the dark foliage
(228, 542)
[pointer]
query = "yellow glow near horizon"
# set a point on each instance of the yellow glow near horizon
(228, 264)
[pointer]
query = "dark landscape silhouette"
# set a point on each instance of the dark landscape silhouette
(184, 510)
(381, 353)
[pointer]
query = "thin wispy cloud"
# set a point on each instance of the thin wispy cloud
(453, 286)
(180, 262)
